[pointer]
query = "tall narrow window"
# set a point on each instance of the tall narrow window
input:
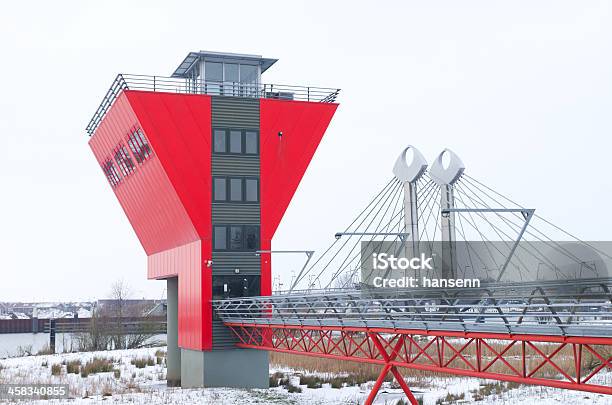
(251, 237)
(235, 141)
(220, 238)
(220, 189)
(236, 238)
(230, 79)
(219, 141)
(235, 189)
(112, 175)
(124, 160)
(252, 190)
(251, 142)
(213, 75)
(231, 72)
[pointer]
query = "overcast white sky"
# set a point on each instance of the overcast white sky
(521, 90)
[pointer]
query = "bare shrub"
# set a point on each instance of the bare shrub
(107, 327)
(96, 337)
(56, 369)
(73, 367)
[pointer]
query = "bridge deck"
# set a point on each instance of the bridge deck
(566, 308)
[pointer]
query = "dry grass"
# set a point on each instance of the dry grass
(73, 367)
(563, 358)
(143, 362)
(311, 364)
(96, 365)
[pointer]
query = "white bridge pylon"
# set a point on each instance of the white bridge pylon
(480, 232)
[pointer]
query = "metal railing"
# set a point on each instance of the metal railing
(188, 86)
(580, 308)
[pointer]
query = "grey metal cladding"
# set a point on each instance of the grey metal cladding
(227, 213)
(223, 338)
(225, 263)
(235, 112)
(229, 165)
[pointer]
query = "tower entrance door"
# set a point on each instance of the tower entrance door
(235, 286)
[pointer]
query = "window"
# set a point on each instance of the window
(112, 175)
(220, 143)
(251, 142)
(252, 190)
(236, 237)
(213, 76)
(235, 141)
(124, 160)
(248, 73)
(235, 189)
(251, 237)
(220, 238)
(139, 145)
(213, 71)
(219, 189)
(231, 72)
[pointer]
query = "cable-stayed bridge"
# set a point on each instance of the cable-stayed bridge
(529, 302)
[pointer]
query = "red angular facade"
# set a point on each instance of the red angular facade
(167, 194)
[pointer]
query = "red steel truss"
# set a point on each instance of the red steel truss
(554, 361)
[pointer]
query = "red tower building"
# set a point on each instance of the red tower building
(204, 164)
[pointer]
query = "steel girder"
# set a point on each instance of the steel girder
(554, 361)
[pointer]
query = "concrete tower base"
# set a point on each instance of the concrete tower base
(235, 368)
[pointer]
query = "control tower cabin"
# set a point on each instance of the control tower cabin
(204, 164)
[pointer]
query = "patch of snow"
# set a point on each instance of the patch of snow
(84, 313)
(148, 386)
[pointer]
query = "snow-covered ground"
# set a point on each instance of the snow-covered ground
(147, 386)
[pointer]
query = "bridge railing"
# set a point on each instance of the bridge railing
(553, 308)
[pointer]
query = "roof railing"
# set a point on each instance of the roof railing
(188, 86)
